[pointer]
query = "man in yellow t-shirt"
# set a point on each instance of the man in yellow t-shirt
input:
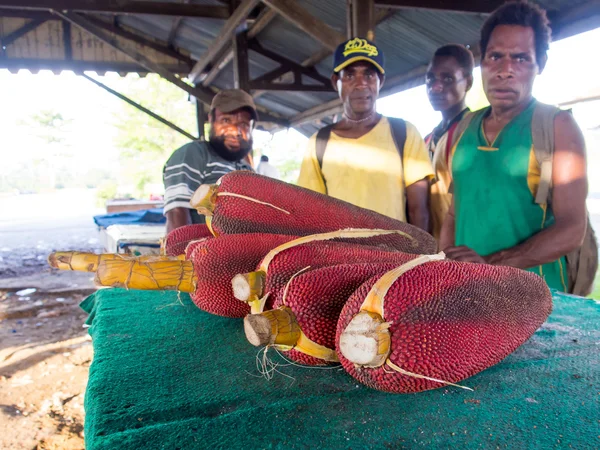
(362, 163)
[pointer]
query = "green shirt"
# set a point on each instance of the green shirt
(494, 192)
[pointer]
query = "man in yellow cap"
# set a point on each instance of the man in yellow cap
(232, 119)
(371, 161)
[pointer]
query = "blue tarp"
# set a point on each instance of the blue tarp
(144, 217)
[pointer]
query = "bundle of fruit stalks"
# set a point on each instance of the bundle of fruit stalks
(327, 283)
(244, 202)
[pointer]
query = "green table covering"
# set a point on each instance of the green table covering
(166, 375)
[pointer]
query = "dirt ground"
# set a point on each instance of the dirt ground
(44, 365)
(45, 351)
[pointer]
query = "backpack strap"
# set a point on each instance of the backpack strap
(460, 127)
(451, 133)
(321, 143)
(455, 136)
(398, 127)
(320, 146)
(542, 133)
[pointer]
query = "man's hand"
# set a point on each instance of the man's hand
(464, 254)
(178, 217)
(417, 202)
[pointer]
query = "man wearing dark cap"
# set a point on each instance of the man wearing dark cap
(371, 161)
(232, 118)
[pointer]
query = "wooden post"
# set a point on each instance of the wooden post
(241, 70)
(224, 37)
(200, 119)
(67, 40)
(296, 14)
(121, 7)
(363, 23)
(349, 19)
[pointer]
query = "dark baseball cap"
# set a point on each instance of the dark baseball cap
(229, 100)
(358, 49)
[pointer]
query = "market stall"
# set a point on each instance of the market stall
(168, 375)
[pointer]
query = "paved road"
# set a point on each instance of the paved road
(31, 226)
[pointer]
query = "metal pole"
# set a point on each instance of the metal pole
(140, 107)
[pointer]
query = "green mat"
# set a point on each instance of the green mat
(166, 375)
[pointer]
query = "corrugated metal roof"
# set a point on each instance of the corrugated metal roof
(408, 39)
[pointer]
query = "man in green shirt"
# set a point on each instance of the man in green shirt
(494, 217)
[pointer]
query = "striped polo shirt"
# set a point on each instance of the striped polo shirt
(190, 166)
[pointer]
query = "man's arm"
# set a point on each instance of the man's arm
(418, 173)
(182, 175)
(448, 230)
(569, 192)
(178, 217)
(417, 200)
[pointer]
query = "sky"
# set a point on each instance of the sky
(572, 71)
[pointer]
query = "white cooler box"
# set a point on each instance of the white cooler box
(133, 239)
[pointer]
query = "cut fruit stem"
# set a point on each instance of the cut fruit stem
(277, 326)
(204, 199)
(248, 287)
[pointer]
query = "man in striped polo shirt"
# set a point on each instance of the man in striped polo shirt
(232, 118)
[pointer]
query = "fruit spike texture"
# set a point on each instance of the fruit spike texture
(177, 240)
(317, 298)
(449, 321)
(217, 260)
(321, 254)
(309, 213)
(191, 246)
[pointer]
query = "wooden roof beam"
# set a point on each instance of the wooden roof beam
(463, 6)
(203, 95)
(121, 7)
(570, 21)
(174, 28)
(263, 20)
(363, 19)
(119, 31)
(223, 39)
(77, 66)
(319, 30)
(28, 27)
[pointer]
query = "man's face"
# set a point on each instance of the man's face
(231, 133)
(446, 83)
(358, 86)
(510, 67)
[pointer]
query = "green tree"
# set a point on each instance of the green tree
(49, 126)
(145, 143)
(47, 166)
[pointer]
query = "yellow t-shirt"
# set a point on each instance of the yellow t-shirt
(367, 171)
